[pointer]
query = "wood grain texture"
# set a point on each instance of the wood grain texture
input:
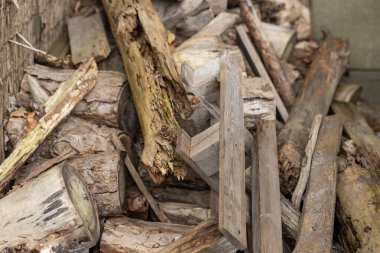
(266, 207)
(348, 93)
(57, 108)
(314, 98)
(232, 204)
(317, 220)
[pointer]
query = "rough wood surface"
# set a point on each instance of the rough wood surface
(54, 209)
(317, 219)
(314, 98)
(371, 112)
(269, 56)
(266, 207)
(123, 234)
(87, 38)
(232, 205)
(356, 126)
(183, 213)
(154, 81)
(281, 38)
(348, 93)
(58, 106)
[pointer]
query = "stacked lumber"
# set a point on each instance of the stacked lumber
(176, 126)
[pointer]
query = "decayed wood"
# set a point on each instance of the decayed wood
(123, 234)
(314, 98)
(317, 219)
(232, 205)
(53, 61)
(257, 65)
(58, 106)
(306, 161)
(268, 54)
(266, 208)
(55, 209)
(87, 38)
(200, 239)
(348, 93)
(356, 126)
(154, 81)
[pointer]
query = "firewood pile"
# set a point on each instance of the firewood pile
(190, 126)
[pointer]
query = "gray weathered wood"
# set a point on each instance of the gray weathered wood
(348, 93)
(317, 220)
(232, 205)
(266, 207)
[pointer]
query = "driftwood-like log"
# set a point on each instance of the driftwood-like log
(269, 56)
(314, 98)
(55, 209)
(57, 107)
(317, 219)
(123, 234)
(154, 82)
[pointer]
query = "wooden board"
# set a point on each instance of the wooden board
(232, 205)
(317, 220)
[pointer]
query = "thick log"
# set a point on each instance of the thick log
(58, 106)
(322, 78)
(317, 219)
(269, 56)
(154, 81)
(123, 234)
(53, 210)
(266, 207)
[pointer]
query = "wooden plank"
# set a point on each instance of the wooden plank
(356, 126)
(258, 67)
(232, 205)
(317, 221)
(266, 207)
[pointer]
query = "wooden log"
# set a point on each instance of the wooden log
(371, 112)
(123, 234)
(136, 204)
(266, 207)
(183, 213)
(317, 219)
(357, 127)
(232, 205)
(256, 64)
(54, 210)
(217, 6)
(293, 137)
(87, 38)
(348, 93)
(58, 106)
(268, 55)
(190, 25)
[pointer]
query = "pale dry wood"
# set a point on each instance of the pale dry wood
(190, 25)
(306, 161)
(87, 38)
(314, 97)
(58, 106)
(184, 213)
(216, 27)
(268, 55)
(217, 6)
(266, 207)
(154, 81)
(356, 126)
(232, 204)
(55, 209)
(348, 93)
(257, 65)
(317, 219)
(124, 234)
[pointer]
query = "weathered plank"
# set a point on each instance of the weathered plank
(317, 220)
(266, 207)
(232, 205)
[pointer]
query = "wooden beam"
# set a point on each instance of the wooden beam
(317, 221)
(266, 207)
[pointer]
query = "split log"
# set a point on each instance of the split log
(154, 82)
(320, 79)
(123, 234)
(87, 38)
(54, 209)
(356, 126)
(317, 219)
(58, 106)
(266, 207)
(106, 104)
(348, 93)
(268, 54)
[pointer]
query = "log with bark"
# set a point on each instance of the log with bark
(314, 98)
(154, 82)
(54, 210)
